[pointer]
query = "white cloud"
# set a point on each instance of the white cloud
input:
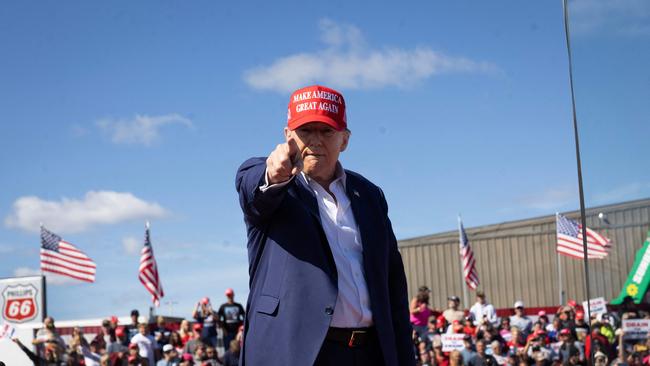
(51, 278)
(141, 129)
(623, 17)
(74, 215)
(551, 199)
(132, 245)
(346, 62)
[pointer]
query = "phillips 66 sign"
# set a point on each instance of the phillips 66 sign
(22, 299)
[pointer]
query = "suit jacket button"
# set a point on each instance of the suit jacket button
(329, 310)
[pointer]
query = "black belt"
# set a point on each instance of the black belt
(351, 337)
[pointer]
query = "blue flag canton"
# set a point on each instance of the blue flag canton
(147, 239)
(49, 240)
(463, 236)
(567, 227)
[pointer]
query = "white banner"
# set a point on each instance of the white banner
(452, 342)
(598, 306)
(22, 299)
(636, 328)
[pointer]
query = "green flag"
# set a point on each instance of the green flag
(639, 277)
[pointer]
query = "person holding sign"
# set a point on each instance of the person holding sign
(327, 283)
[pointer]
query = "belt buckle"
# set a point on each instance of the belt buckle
(353, 338)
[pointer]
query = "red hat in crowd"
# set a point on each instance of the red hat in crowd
(440, 323)
(114, 319)
(133, 346)
(119, 331)
(541, 313)
(229, 292)
(205, 300)
(187, 357)
(572, 303)
(580, 314)
(317, 104)
(197, 326)
(565, 331)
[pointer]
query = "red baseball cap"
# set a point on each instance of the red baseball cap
(229, 292)
(565, 331)
(133, 346)
(316, 104)
(119, 331)
(580, 315)
(205, 300)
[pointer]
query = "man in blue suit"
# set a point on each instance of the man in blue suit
(327, 283)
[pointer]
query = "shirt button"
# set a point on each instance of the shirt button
(329, 310)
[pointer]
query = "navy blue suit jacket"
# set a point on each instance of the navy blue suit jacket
(293, 277)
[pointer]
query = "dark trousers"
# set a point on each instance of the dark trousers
(333, 353)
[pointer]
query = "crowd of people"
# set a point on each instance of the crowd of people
(147, 344)
(567, 337)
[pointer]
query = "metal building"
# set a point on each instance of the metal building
(517, 260)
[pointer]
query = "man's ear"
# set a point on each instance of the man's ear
(346, 139)
(287, 133)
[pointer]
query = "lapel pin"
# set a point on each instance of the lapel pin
(356, 193)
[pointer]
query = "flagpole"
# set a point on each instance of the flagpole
(583, 217)
(462, 273)
(560, 283)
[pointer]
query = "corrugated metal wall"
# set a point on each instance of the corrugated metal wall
(517, 260)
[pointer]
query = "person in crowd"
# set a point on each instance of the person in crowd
(146, 344)
(439, 358)
(160, 331)
(49, 335)
(106, 336)
(199, 354)
(468, 350)
(420, 311)
(481, 358)
(134, 357)
(231, 357)
(453, 312)
(455, 358)
(118, 346)
(537, 344)
(206, 316)
(600, 359)
(497, 352)
(187, 360)
(504, 328)
(132, 329)
(211, 357)
(176, 341)
(195, 340)
(468, 325)
(517, 340)
(542, 318)
(598, 342)
(231, 316)
(186, 331)
(170, 356)
(568, 347)
(520, 319)
(483, 311)
(580, 323)
(50, 353)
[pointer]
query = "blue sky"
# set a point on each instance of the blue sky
(115, 113)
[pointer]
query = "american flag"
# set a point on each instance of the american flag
(61, 257)
(148, 273)
(569, 240)
(467, 257)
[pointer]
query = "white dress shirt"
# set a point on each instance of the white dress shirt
(352, 308)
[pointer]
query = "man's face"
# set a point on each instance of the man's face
(480, 299)
(519, 311)
(480, 348)
(49, 323)
(142, 329)
(320, 146)
(452, 304)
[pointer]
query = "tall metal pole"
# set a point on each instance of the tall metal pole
(583, 217)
